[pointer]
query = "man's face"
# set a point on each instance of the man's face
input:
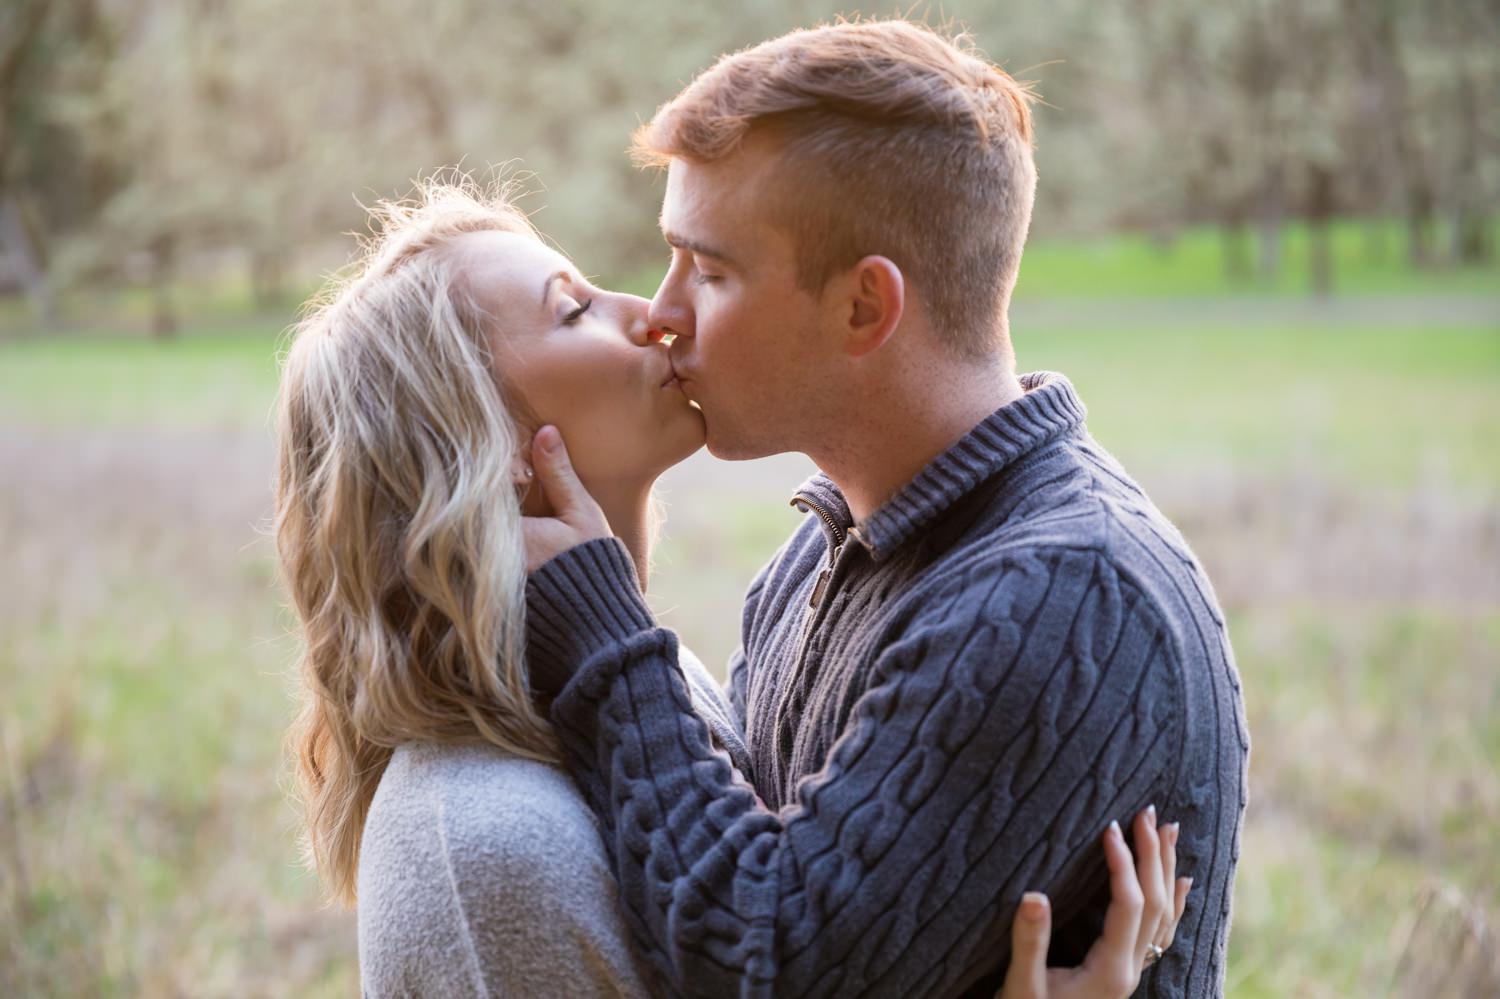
(751, 347)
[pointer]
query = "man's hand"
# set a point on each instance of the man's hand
(1145, 906)
(576, 517)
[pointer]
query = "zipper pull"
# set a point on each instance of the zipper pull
(819, 587)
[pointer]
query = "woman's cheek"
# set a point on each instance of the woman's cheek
(614, 425)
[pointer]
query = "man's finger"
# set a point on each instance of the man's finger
(554, 473)
(1029, 936)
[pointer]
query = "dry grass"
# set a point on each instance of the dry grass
(147, 846)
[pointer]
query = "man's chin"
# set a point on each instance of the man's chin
(723, 443)
(732, 449)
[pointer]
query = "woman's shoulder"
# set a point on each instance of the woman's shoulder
(473, 844)
(487, 805)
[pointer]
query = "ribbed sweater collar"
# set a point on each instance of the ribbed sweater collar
(1049, 409)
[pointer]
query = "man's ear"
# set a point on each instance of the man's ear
(876, 300)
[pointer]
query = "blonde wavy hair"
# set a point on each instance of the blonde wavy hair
(396, 521)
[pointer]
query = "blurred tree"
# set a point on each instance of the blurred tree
(20, 30)
(47, 181)
(162, 142)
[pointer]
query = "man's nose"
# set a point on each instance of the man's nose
(669, 310)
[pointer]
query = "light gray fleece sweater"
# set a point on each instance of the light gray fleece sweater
(483, 874)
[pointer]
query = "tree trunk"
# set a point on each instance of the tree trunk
(1471, 224)
(1236, 247)
(1272, 212)
(1319, 213)
(1419, 210)
(1472, 242)
(20, 245)
(163, 312)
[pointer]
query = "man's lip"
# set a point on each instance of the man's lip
(673, 375)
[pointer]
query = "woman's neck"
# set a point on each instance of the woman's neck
(627, 507)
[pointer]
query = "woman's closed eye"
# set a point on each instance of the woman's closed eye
(577, 313)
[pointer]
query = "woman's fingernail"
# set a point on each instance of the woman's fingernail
(549, 438)
(1151, 815)
(1034, 906)
(1114, 827)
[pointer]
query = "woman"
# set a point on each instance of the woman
(433, 798)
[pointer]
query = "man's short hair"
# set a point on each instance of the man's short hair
(895, 140)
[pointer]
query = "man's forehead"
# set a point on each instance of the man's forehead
(715, 200)
(697, 194)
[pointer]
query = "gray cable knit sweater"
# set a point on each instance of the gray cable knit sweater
(482, 874)
(944, 706)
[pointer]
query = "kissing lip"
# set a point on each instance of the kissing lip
(671, 374)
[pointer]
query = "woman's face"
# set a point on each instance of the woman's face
(584, 360)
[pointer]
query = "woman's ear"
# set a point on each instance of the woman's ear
(521, 471)
(877, 300)
(523, 478)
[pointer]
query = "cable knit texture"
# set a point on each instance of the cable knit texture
(1011, 652)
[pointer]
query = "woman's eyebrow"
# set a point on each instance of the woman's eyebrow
(547, 284)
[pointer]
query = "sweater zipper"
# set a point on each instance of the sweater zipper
(820, 588)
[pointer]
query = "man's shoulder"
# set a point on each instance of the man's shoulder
(1027, 579)
(1081, 501)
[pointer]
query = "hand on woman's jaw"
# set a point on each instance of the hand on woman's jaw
(557, 506)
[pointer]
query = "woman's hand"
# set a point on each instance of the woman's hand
(1146, 903)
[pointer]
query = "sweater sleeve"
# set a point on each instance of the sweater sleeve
(1025, 706)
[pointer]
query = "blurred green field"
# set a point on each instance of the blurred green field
(1367, 258)
(1381, 405)
(1338, 478)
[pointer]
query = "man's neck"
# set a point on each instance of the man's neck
(913, 424)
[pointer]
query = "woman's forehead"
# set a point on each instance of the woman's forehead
(509, 265)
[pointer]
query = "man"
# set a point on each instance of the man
(983, 643)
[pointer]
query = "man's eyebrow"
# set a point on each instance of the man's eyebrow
(547, 284)
(694, 246)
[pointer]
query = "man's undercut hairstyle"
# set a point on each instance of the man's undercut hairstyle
(894, 140)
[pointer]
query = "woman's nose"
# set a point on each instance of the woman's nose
(669, 311)
(638, 321)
